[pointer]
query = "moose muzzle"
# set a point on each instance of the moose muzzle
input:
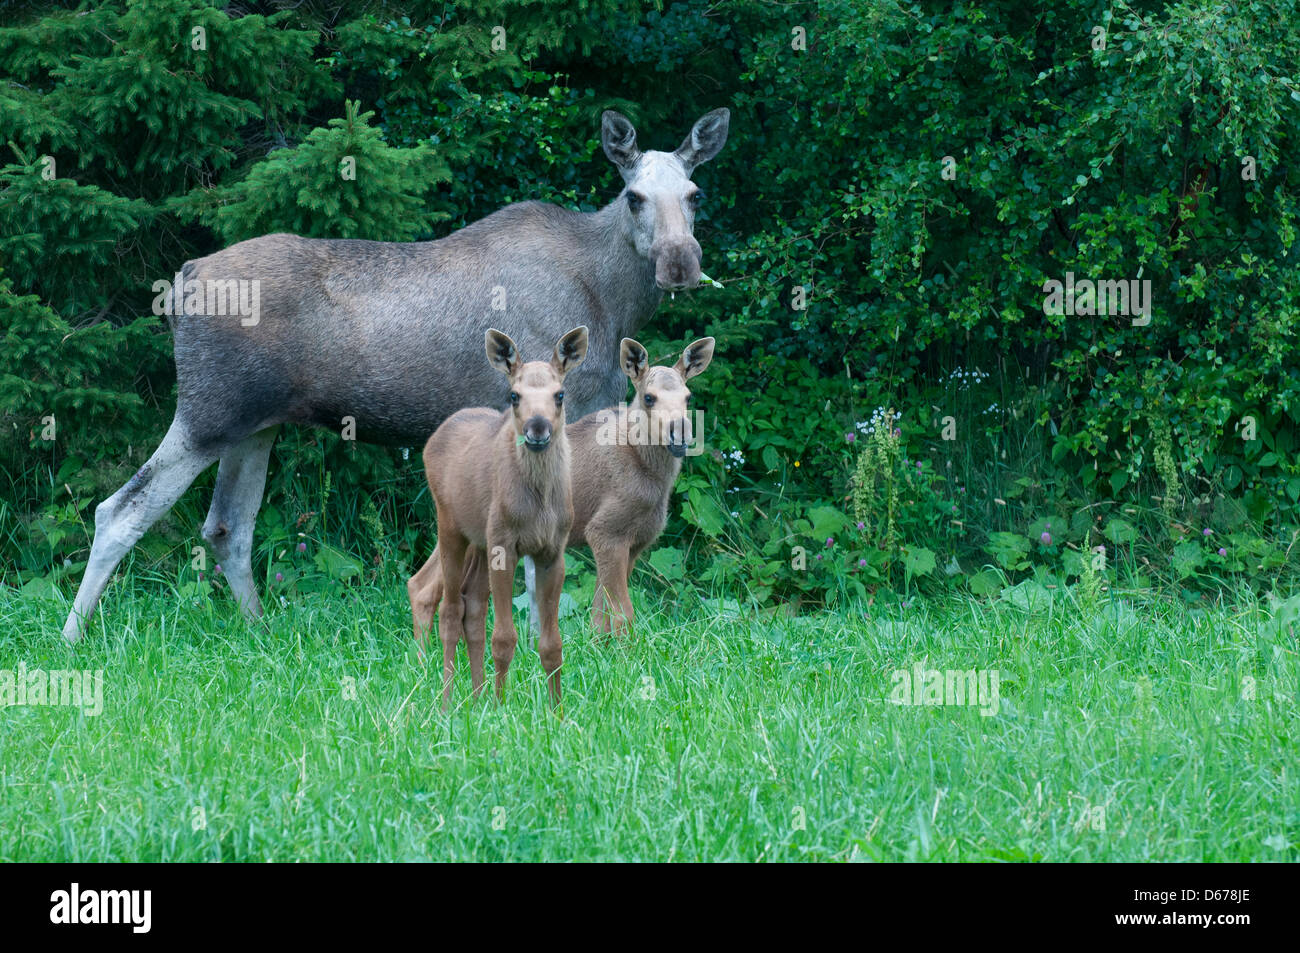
(537, 434)
(677, 264)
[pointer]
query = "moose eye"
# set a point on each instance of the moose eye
(559, 398)
(635, 200)
(514, 399)
(696, 198)
(649, 400)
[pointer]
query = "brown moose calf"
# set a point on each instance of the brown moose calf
(501, 484)
(625, 462)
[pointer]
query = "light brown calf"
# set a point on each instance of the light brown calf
(500, 480)
(625, 462)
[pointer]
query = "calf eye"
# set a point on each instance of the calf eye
(559, 398)
(649, 400)
(514, 399)
(696, 198)
(634, 201)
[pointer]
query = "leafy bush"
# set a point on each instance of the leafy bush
(901, 186)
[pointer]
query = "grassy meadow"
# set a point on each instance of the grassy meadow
(1124, 730)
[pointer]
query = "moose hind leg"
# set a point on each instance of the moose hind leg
(424, 590)
(125, 516)
(241, 482)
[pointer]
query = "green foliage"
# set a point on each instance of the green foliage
(344, 181)
(65, 400)
(54, 231)
(875, 479)
(883, 220)
(1065, 159)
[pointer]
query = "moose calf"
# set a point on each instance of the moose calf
(625, 462)
(501, 484)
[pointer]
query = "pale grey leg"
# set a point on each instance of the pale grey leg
(125, 516)
(534, 613)
(241, 481)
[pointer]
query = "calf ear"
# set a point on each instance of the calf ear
(618, 136)
(633, 358)
(570, 351)
(501, 351)
(708, 136)
(695, 358)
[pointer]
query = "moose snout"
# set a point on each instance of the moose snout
(679, 436)
(677, 265)
(537, 434)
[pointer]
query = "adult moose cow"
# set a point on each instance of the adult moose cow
(391, 335)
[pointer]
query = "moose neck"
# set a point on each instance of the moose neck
(542, 473)
(656, 462)
(625, 279)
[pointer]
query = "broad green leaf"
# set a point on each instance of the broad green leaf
(918, 561)
(668, 563)
(1119, 531)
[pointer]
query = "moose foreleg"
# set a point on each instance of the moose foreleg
(501, 561)
(550, 584)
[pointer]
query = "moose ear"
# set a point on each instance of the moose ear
(633, 358)
(695, 358)
(618, 136)
(501, 351)
(570, 350)
(708, 136)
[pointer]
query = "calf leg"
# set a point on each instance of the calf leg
(241, 481)
(424, 590)
(451, 619)
(504, 636)
(621, 573)
(474, 596)
(599, 617)
(632, 556)
(550, 583)
(612, 609)
(125, 516)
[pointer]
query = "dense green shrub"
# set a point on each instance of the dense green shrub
(900, 182)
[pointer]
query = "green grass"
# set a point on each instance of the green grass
(708, 737)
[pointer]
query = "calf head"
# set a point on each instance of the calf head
(661, 392)
(536, 387)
